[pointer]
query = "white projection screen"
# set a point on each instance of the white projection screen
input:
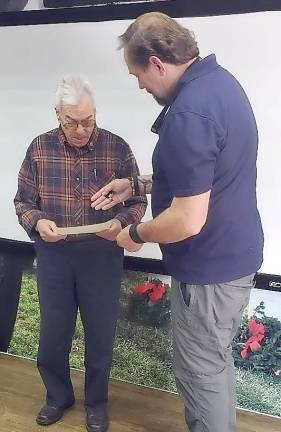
(34, 58)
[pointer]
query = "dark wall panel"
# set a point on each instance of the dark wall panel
(113, 10)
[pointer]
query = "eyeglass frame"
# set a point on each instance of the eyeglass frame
(76, 123)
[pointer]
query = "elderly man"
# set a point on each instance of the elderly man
(204, 207)
(61, 171)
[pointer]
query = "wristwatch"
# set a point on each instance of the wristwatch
(134, 183)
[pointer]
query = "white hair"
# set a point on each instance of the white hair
(71, 89)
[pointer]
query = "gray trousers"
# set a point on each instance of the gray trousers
(205, 319)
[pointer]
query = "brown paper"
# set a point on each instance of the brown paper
(85, 229)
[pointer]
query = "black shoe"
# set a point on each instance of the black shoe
(97, 419)
(50, 414)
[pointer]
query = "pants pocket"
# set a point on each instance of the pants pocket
(187, 293)
(230, 301)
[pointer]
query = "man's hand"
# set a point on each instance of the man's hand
(118, 190)
(124, 240)
(112, 232)
(48, 231)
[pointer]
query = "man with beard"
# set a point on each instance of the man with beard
(204, 207)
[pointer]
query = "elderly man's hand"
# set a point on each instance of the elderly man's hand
(115, 192)
(112, 232)
(48, 231)
(124, 240)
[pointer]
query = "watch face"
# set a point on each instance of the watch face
(12, 5)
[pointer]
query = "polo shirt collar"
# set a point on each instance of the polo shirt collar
(197, 69)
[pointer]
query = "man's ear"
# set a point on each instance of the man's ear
(158, 64)
(57, 113)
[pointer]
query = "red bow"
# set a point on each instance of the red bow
(256, 336)
(155, 291)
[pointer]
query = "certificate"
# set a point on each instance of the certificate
(85, 229)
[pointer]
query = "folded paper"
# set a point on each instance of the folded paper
(85, 229)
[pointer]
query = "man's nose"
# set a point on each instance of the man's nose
(80, 129)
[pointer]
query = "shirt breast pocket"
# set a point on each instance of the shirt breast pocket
(98, 179)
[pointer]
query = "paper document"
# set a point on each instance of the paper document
(85, 229)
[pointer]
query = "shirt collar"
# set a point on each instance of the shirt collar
(197, 69)
(89, 146)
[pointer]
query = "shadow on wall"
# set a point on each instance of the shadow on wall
(12, 5)
(12, 265)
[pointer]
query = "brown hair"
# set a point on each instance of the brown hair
(156, 34)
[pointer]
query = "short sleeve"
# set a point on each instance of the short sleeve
(188, 152)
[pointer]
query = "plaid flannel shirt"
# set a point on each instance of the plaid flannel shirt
(57, 180)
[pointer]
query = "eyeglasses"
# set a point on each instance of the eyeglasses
(73, 124)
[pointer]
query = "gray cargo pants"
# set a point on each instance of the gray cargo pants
(205, 319)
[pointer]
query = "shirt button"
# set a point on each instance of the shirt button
(77, 178)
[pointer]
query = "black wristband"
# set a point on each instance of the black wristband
(134, 234)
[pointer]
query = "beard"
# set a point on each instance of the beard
(160, 101)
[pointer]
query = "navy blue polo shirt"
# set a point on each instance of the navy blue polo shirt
(208, 141)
